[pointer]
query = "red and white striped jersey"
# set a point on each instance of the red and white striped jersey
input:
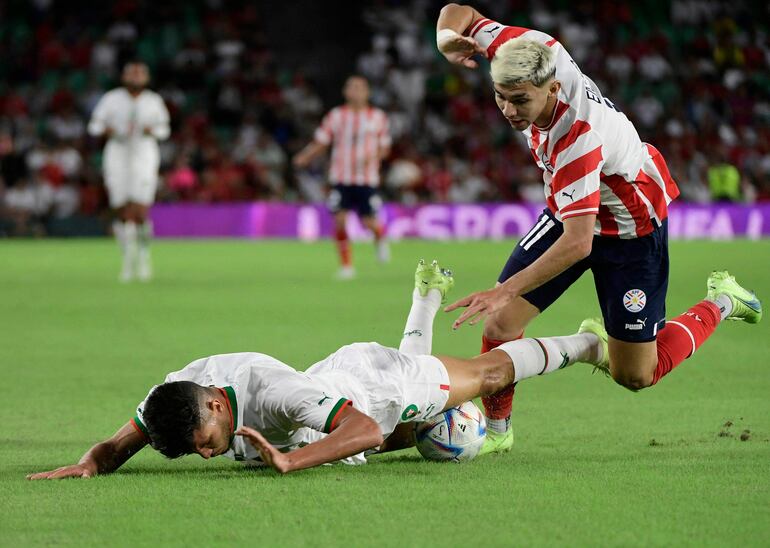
(592, 159)
(356, 137)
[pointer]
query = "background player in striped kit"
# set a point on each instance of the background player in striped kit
(132, 119)
(359, 138)
(607, 196)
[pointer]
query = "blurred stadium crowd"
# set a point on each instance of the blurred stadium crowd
(693, 75)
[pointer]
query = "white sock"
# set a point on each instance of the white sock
(532, 357)
(118, 230)
(418, 331)
(130, 243)
(499, 426)
(144, 235)
(724, 304)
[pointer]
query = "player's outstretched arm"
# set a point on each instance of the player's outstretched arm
(103, 458)
(453, 20)
(313, 149)
(571, 247)
(356, 432)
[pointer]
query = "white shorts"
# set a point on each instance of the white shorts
(388, 385)
(130, 176)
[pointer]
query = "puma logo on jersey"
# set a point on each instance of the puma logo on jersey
(324, 399)
(490, 31)
(417, 332)
(569, 195)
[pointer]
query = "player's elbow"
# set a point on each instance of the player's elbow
(449, 8)
(583, 248)
(372, 433)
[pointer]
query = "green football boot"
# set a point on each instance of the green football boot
(432, 276)
(596, 326)
(497, 443)
(746, 305)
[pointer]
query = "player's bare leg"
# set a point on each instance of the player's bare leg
(346, 272)
(639, 365)
(375, 227)
(517, 360)
(506, 325)
(144, 236)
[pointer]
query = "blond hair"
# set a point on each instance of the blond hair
(520, 60)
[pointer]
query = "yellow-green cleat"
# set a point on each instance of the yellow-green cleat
(497, 443)
(746, 306)
(596, 326)
(432, 276)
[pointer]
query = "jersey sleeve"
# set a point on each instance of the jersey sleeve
(98, 123)
(160, 128)
(491, 35)
(138, 420)
(325, 131)
(308, 402)
(577, 160)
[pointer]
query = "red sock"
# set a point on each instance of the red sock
(498, 406)
(343, 246)
(683, 335)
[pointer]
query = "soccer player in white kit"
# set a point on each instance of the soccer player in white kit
(132, 119)
(607, 196)
(359, 136)
(363, 397)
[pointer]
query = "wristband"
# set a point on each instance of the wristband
(444, 35)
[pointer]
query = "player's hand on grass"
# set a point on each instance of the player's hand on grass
(270, 455)
(72, 471)
(479, 305)
(459, 49)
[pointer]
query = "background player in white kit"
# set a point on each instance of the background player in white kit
(364, 396)
(132, 119)
(360, 139)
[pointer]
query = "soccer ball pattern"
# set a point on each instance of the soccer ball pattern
(457, 434)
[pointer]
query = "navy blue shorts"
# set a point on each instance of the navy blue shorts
(364, 200)
(630, 276)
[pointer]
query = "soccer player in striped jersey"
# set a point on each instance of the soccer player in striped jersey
(364, 397)
(607, 196)
(359, 137)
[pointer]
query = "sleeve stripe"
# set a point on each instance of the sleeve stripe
(579, 212)
(139, 426)
(477, 26)
(334, 414)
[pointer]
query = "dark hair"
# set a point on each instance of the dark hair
(171, 415)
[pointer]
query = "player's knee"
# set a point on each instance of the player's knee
(493, 377)
(633, 380)
(495, 329)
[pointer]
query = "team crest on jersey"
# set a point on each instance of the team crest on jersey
(634, 300)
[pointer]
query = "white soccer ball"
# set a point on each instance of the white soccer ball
(457, 434)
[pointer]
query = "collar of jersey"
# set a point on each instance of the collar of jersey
(232, 408)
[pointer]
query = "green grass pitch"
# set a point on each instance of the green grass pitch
(593, 463)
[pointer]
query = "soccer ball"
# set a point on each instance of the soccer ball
(457, 434)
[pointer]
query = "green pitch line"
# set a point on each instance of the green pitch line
(684, 463)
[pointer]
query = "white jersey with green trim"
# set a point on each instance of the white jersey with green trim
(292, 408)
